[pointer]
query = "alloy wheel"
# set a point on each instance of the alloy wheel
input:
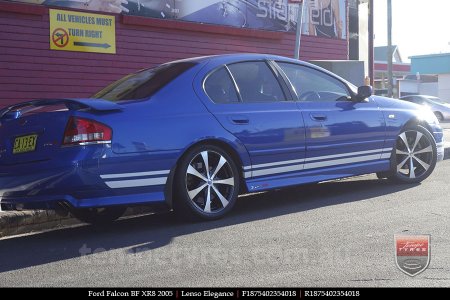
(414, 154)
(210, 181)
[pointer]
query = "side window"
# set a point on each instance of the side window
(313, 85)
(220, 88)
(256, 82)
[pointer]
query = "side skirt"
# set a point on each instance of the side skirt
(316, 175)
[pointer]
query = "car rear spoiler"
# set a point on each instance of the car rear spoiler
(71, 104)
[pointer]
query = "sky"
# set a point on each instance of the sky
(419, 26)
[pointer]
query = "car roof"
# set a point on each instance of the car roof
(235, 57)
(238, 57)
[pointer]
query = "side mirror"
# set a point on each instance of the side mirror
(364, 92)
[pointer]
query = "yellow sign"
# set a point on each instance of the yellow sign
(77, 31)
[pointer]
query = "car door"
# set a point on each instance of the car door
(339, 131)
(250, 102)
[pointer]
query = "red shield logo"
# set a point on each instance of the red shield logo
(412, 253)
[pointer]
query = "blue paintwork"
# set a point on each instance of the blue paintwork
(348, 127)
(278, 144)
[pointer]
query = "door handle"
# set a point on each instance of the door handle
(318, 117)
(239, 120)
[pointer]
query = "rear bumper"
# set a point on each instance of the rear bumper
(78, 184)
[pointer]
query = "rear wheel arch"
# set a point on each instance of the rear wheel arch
(213, 142)
(230, 151)
(195, 206)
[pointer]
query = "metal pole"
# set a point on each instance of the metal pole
(370, 25)
(389, 52)
(298, 33)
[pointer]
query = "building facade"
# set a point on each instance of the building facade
(30, 69)
(400, 69)
(432, 76)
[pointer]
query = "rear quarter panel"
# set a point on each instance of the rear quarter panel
(152, 135)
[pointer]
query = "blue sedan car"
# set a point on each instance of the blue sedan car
(192, 135)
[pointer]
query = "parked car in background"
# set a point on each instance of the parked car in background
(193, 134)
(441, 108)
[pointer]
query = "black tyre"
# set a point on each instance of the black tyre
(383, 175)
(98, 216)
(206, 184)
(414, 155)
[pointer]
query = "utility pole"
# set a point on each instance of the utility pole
(370, 29)
(298, 33)
(390, 53)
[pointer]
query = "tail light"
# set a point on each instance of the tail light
(81, 131)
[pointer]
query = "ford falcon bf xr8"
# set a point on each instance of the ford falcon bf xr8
(191, 135)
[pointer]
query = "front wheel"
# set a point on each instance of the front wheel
(414, 156)
(206, 184)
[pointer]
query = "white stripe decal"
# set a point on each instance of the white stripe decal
(342, 161)
(247, 167)
(386, 155)
(320, 164)
(279, 163)
(123, 175)
(247, 174)
(287, 162)
(136, 182)
(278, 170)
(348, 154)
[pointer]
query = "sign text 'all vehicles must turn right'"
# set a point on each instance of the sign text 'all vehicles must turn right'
(84, 32)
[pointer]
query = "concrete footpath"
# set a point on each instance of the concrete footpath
(20, 222)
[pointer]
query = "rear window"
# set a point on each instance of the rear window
(143, 84)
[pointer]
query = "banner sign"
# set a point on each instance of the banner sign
(326, 18)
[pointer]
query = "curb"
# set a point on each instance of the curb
(20, 222)
(446, 153)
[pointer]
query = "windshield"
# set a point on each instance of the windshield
(438, 100)
(143, 84)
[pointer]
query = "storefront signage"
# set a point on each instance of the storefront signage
(324, 18)
(84, 32)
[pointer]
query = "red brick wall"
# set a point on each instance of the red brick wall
(29, 69)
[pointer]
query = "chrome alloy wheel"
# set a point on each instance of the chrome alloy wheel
(210, 181)
(414, 154)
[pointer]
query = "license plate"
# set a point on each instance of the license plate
(25, 143)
